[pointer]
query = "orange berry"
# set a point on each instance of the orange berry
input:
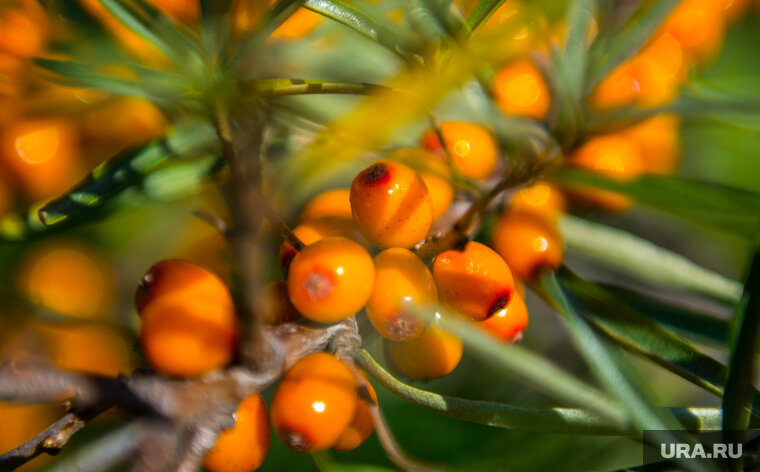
(541, 198)
(698, 25)
(300, 24)
(313, 230)
(620, 88)
(275, 306)
(314, 403)
(330, 203)
(472, 147)
(185, 11)
(23, 31)
(433, 354)
(528, 243)
(391, 205)
(734, 9)
(615, 156)
(177, 277)
(90, 349)
(659, 140)
(331, 279)
(361, 425)
(43, 155)
(243, 447)
(521, 90)
(68, 279)
(510, 322)
(403, 285)
(660, 68)
(476, 282)
(434, 172)
(124, 122)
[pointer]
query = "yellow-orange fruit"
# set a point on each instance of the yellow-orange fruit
(69, 279)
(24, 30)
(615, 156)
(300, 24)
(528, 243)
(43, 155)
(185, 11)
(274, 305)
(698, 25)
(659, 140)
(314, 403)
(510, 322)
(313, 230)
(243, 447)
(178, 277)
(619, 88)
(331, 279)
(403, 286)
(434, 172)
(361, 425)
(472, 148)
(124, 122)
(659, 69)
(541, 198)
(521, 90)
(90, 349)
(334, 202)
(391, 205)
(475, 282)
(433, 354)
(734, 9)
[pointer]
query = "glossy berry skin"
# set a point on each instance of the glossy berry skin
(510, 322)
(313, 230)
(541, 198)
(334, 202)
(178, 277)
(391, 205)
(331, 279)
(475, 282)
(433, 354)
(275, 306)
(361, 425)
(434, 172)
(472, 148)
(528, 243)
(659, 141)
(520, 90)
(314, 403)
(403, 285)
(243, 447)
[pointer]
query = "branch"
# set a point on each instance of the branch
(49, 441)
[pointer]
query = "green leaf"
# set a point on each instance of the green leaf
(714, 206)
(481, 13)
(131, 19)
(636, 257)
(282, 87)
(117, 174)
(325, 463)
(611, 368)
(739, 385)
(610, 51)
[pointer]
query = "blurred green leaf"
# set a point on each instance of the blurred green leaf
(740, 389)
(482, 12)
(130, 18)
(714, 206)
(325, 463)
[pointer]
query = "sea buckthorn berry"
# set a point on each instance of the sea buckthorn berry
(330, 203)
(90, 349)
(615, 156)
(434, 172)
(177, 277)
(43, 155)
(23, 31)
(391, 205)
(312, 231)
(472, 148)
(185, 11)
(314, 403)
(660, 68)
(620, 88)
(476, 282)
(433, 354)
(521, 90)
(659, 140)
(243, 447)
(541, 198)
(403, 286)
(275, 306)
(186, 335)
(528, 243)
(361, 425)
(69, 279)
(698, 25)
(301, 23)
(331, 279)
(510, 322)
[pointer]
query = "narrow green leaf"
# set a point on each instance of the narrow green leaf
(283, 87)
(714, 206)
(739, 384)
(611, 368)
(636, 257)
(481, 13)
(129, 18)
(609, 52)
